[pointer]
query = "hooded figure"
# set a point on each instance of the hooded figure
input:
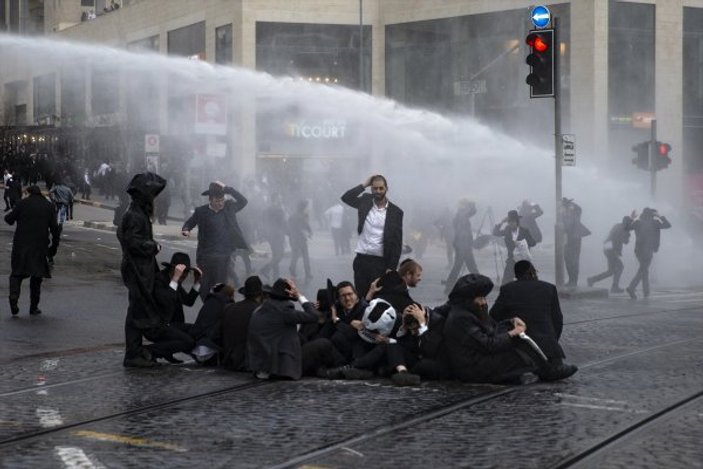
(139, 267)
(479, 349)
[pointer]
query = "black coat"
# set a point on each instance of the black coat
(392, 230)
(647, 234)
(139, 267)
(273, 343)
(171, 301)
(36, 219)
(479, 351)
(537, 304)
(202, 214)
(431, 343)
(207, 329)
(463, 233)
(235, 328)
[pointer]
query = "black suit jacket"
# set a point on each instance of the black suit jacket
(392, 230)
(537, 304)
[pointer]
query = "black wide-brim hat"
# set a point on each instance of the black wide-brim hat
(278, 290)
(469, 287)
(513, 215)
(179, 258)
(252, 286)
(215, 190)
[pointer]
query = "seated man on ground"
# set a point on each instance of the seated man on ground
(235, 324)
(479, 349)
(537, 303)
(273, 343)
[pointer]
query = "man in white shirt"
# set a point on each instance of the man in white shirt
(380, 229)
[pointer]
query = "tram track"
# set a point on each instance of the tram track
(313, 455)
(437, 412)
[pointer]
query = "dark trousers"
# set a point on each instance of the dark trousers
(462, 256)
(34, 290)
(338, 238)
(277, 251)
(572, 253)
(215, 270)
(320, 353)
(645, 260)
(615, 268)
(298, 250)
(368, 356)
(6, 196)
(168, 340)
(427, 368)
(366, 270)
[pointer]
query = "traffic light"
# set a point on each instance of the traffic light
(642, 158)
(541, 62)
(662, 158)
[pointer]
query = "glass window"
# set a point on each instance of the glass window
(223, 45)
(148, 44)
(88, 3)
(105, 90)
(73, 96)
(693, 90)
(44, 96)
(188, 41)
(316, 52)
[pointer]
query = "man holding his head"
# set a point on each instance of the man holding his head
(219, 233)
(380, 229)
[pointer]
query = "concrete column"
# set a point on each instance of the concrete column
(589, 79)
(245, 46)
(668, 51)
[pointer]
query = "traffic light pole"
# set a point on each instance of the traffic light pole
(558, 231)
(653, 161)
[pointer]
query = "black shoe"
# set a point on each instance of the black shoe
(590, 282)
(35, 311)
(403, 378)
(357, 373)
(617, 290)
(139, 362)
(332, 373)
(631, 292)
(557, 372)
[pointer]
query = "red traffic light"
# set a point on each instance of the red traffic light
(664, 149)
(536, 42)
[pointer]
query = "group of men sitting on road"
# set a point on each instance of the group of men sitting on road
(340, 335)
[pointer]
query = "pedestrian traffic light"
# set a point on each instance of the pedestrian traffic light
(541, 62)
(662, 158)
(642, 158)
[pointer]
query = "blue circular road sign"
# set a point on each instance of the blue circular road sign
(540, 16)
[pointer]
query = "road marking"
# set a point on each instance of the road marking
(355, 453)
(75, 458)
(603, 407)
(584, 398)
(128, 440)
(106, 246)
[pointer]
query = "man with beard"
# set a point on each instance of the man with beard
(481, 350)
(537, 304)
(218, 233)
(380, 229)
(139, 267)
(36, 219)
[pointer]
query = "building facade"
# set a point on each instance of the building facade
(622, 64)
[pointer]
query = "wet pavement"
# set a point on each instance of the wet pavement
(66, 401)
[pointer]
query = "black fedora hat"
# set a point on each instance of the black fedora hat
(252, 286)
(513, 215)
(278, 290)
(215, 190)
(178, 258)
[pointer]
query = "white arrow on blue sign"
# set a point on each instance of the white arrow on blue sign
(541, 16)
